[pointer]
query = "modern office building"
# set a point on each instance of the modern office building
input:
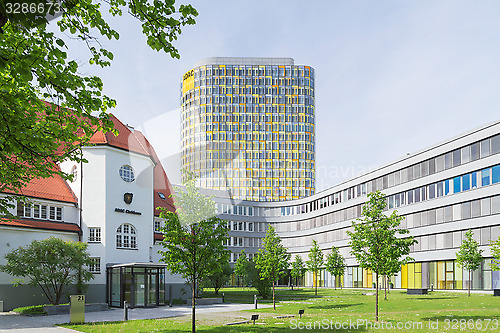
(247, 127)
(441, 192)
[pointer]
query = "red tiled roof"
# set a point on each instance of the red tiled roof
(161, 182)
(39, 224)
(52, 188)
(124, 140)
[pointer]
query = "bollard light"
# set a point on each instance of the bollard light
(255, 300)
(125, 311)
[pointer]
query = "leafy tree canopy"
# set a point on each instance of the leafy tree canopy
(34, 67)
(298, 269)
(495, 252)
(52, 264)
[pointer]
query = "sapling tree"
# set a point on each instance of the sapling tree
(315, 263)
(272, 259)
(335, 264)
(194, 238)
(469, 256)
(298, 269)
(374, 240)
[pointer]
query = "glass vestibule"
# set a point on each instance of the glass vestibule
(141, 285)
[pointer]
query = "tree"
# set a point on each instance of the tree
(272, 259)
(495, 252)
(469, 256)
(375, 242)
(34, 67)
(263, 286)
(298, 270)
(241, 267)
(219, 277)
(194, 238)
(52, 264)
(315, 263)
(335, 264)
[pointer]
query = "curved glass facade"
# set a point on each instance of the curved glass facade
(247, 127)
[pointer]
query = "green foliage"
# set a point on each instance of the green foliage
(375, 242)
(34, 66)
(272, 259)
(495, 252)
(219, 277)
(194, 237)
(52, 264)
(34, 309)
(241, 267)
(263, 286)
(335, 263)
(298, 269)
(315, 262)
(469, 256)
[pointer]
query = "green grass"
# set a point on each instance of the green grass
(33, 310)
(331, 307)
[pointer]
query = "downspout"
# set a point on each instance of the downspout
(81, 197)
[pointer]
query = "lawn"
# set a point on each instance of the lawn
(332, 309)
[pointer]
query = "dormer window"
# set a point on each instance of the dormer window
(161, 195)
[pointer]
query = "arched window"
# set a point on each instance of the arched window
(126, 237)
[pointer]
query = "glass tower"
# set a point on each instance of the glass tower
(247, 127)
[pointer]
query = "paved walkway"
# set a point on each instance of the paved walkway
(22, 324)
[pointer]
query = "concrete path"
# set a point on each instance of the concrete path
(22, 324)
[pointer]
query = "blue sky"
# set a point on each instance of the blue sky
(392, 77)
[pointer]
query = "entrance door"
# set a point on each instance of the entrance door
(152, 289)
(140, 289)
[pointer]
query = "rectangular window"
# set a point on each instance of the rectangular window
(495, 144)
(410, 197)
(495, 204)
(476, 208)
(432, 191)
(457, 157)
(440, 163)
(36, 211)
(440, 189)
(52, 213)
(59, 213)
(485, 207)
(447, 161)
(485, 148)
(466, 210)
(474, 180)
(465, 154)
(495, 174)
(485, 177)
(474, 151)
(27, 210)
(456, 185)
(118, 240)
(417, 195)
(43, 215)
(95, 265)
(94, 234)
(432, 166)
(466, 182)
(446, 187)
(157, 226)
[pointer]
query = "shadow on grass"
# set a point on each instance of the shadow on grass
(333, 306)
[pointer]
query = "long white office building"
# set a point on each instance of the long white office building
(441, 191)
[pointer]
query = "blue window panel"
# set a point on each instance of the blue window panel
(466, 182)
(446, 187)
(495, 174)
(485, 177)
(474, 180)
(456, 185)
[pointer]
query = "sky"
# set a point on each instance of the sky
(392, 77)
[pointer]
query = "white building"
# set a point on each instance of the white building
(111, 206)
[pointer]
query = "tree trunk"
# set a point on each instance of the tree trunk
(470, 282)
(315, 284)
(386, 279)
(335, 283)
(274, 303)
(193, 305)
(376, 297)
